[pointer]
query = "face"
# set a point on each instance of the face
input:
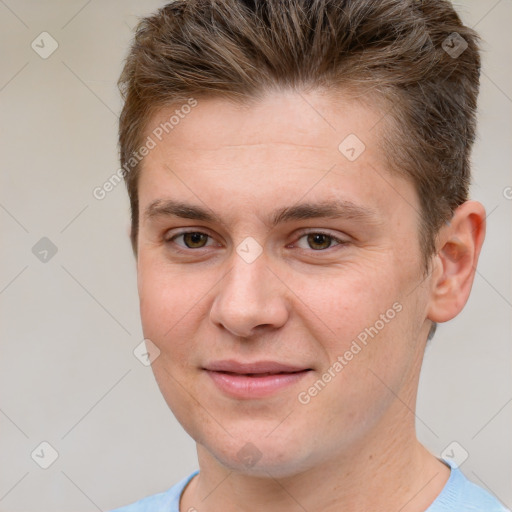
(280, 278)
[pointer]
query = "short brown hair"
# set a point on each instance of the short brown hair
(398, 51)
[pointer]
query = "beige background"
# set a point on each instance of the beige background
(69, 325)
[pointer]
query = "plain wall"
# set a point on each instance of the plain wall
(69, 325)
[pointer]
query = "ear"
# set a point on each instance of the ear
(454, 265)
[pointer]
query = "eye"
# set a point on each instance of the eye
(319, 241)
(316, 240)
(191, 239)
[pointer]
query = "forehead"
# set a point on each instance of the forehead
(319, 119)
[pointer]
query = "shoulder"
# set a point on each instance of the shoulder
(167, 501)
(462, 495)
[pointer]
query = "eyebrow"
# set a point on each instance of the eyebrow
(326, 209)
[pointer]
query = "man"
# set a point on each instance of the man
(298, 175)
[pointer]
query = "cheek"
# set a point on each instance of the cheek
(167, 314)
(361, 381)
(167, 299)
(368, 331)
(343, 305)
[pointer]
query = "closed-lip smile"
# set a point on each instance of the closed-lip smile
(246, 380)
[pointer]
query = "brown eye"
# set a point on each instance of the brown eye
(191, 240)
(194, 240)
(319, 241)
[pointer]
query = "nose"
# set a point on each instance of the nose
(250, 298)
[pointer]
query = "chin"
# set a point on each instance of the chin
(260, 457)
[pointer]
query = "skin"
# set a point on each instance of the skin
(353, 446)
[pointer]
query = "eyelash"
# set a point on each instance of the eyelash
(303, 234)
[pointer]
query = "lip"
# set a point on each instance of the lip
(232, 366)
(253, 380)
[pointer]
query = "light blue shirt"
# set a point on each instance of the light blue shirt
(458, 495)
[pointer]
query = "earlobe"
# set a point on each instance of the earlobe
(459, 245)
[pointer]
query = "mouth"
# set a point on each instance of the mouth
(266, 374)
(254, 380)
